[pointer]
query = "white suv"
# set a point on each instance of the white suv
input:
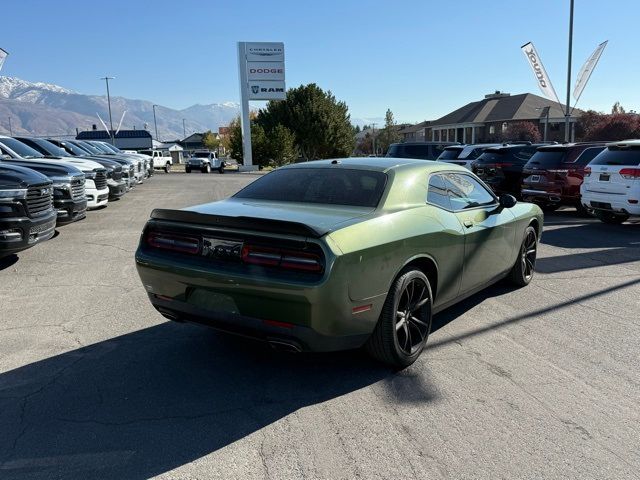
(611, 186)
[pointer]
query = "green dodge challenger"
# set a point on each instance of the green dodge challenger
(338, 254)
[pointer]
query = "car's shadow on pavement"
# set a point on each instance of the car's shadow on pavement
(150, 401)
(8, 261)
(613, 244)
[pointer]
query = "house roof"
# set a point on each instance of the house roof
(501, 107)
(415, 128)
(103, 134)
(193, 138)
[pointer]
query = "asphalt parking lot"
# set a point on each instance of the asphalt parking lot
(541, 382)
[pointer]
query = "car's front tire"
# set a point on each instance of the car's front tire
(206, 168)
(405, 321)
(610, 217)
(522, 271)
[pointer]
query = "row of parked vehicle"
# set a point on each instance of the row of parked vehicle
(599, 178)
(46, 183)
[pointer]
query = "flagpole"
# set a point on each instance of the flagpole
(567, 115)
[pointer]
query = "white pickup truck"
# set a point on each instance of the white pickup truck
(205, 161)
(161, 159)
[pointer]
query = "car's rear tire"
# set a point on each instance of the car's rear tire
(522, 271)
(550, 207)
(187, 170)
(221, 169)
(167, 167)
(405, 321)
(610, 217)
(582, 211)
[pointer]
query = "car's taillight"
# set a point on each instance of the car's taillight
(587, 171)
(630, 173)
(276, 257)
(174, 242)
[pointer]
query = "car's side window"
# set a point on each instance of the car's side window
(466, 192)
(437, 193)
(588, 155)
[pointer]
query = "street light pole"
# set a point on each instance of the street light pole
(184, 129)
(10, 128)
(106, 79)
(373, 138)
(155, 123)
(567, 112)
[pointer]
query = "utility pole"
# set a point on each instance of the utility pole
(373, 138)
(567, 115)
(184, 130)
(155, 123)
(10, 129)
(106, 79)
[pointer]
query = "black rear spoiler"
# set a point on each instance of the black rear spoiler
(246, 223)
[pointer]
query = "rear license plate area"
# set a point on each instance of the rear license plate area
(534, 178)
(604, 177)
(605, 206)
(221, 248)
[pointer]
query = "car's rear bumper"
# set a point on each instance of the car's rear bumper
(317, 315)
(548, 197)
(20, 233)
(608, 202)
(280, 334)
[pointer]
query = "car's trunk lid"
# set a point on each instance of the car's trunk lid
(277, 217)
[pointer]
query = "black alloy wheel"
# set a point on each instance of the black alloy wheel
(411, 327)
(405, 321)
(524, 268)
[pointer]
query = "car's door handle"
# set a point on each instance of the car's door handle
(468, 223)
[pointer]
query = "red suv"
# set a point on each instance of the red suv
(553, 175)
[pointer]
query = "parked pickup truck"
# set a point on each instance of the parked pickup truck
(161, 159)
(115, 174)
(27, 216)
(69, 198)
(205, 161)
(95, 175)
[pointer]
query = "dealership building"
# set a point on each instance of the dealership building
(487, 119)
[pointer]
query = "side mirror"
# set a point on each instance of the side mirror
(4, 156)
(508, 201)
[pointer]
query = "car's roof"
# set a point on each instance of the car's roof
(379, 164)
(625, 143)
(568, 146)
(426, 143)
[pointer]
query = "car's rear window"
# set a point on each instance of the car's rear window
(409, 151)
(493, 156)
(547, 158)
(331, 186)
(616, 156)
(450, 153)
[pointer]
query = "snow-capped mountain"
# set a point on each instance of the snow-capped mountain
(39, 108)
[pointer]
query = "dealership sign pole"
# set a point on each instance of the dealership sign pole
(261, 74)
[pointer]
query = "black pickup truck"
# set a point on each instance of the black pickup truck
(116, 177)
(27, 215)
(69, 198)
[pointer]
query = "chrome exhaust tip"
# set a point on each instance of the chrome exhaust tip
(284, 346)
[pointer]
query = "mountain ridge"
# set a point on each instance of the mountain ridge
(39, 108)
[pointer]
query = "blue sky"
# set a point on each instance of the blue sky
(422, 59)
